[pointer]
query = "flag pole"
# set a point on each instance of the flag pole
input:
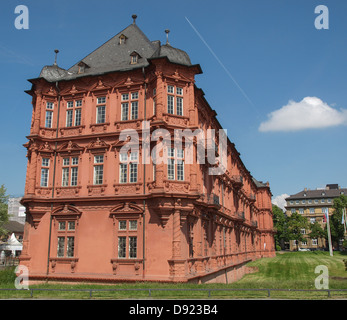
(328, 228)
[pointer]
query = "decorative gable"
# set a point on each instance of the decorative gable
(126, 210)
(70, 148)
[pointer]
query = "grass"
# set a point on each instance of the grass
(290, 270)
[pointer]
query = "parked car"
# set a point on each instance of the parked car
(304, 249)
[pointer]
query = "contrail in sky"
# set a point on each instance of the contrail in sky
(220, 62)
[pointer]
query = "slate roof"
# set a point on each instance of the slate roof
(13, 226)
(113, 56)
(259, 184)
(318, 194)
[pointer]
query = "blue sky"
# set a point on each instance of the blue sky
(278, 84)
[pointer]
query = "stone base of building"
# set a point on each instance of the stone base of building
(227, 274)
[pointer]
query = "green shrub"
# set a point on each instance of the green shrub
(7, 277)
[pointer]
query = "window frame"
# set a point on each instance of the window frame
(127, 238)
(98, 165)
(101, 105)
(44, 172)
(73, 113)
(130, 106)
(71, 178)
(175, 100)
(175, 164)
(66, 238)
(128, 164)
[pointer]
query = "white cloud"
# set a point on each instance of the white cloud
(309, 113)
(280, 201)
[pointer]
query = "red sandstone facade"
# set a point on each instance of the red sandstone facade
(92, 218)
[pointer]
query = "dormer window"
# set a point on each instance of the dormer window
(82, 66)
(122, 39)
(134, 57)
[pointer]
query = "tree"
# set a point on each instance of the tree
(336, 227)
(3, 209)
(296, 223)
(317, 231)
(280, 223)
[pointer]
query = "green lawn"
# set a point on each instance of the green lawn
(291, 270)
(296, 270)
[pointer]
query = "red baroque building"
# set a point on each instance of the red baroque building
(95, 213)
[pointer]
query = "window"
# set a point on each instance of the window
(49, 119)
(101, 110)
(293, 210)
(122, 225)
(133, 113)
(170, 104)
(312, 220)
(314, 242)
(66, 239)
(127, 239)
(122, 39)
(49, 114)
(122, 247)
(134, 110)
(134, 58)
(98, 169)
(301, 210)
(61, 246)
(125, 111)
(133, 225)
(50, 105)
(132, 247)
(175, 164)
(180, 165)
(44, 172)
(171, 164)
(312, 210)
(179, 104)
(128, 167)
(73, 113)
(70, 172)
(175, 96)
